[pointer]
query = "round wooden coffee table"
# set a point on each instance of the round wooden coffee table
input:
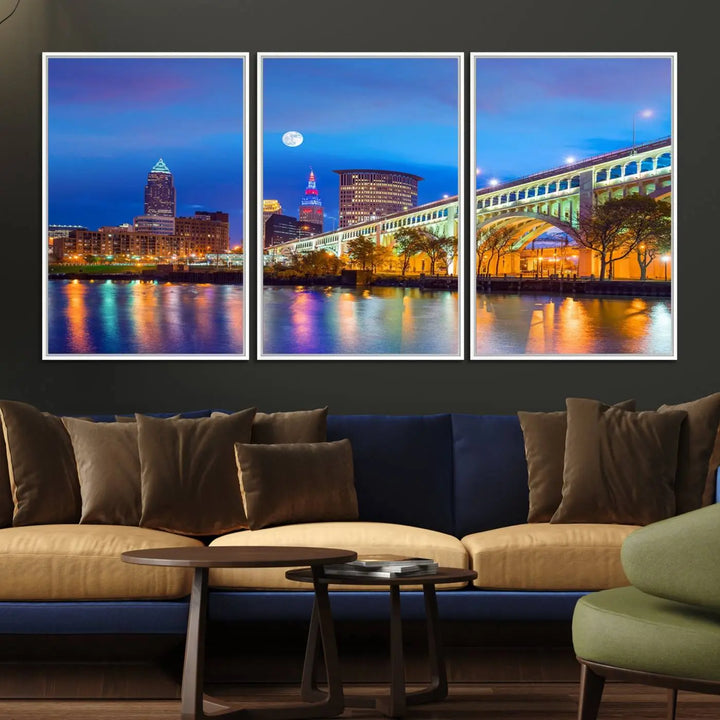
(196, 706)
(394, 704)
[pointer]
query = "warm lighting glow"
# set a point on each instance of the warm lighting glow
(665, 258)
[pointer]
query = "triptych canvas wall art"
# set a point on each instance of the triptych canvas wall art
(372, 216)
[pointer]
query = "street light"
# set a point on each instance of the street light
(643, 114)
(666, 260)
(494, 182)
(570, 159)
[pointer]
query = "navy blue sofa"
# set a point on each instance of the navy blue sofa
(456, 474)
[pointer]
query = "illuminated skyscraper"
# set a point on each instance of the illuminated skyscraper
(160, 191)
(311, 208)
(372, 194)
(159, 214)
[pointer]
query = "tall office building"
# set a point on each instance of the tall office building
(311, 207)
(280, 229)
(160, 191)
(372, 194)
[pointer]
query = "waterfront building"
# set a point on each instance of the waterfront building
(116, 241)
(62, 231)
(371, 194)
(159, 224)
(271, 207)
(56, 237)
(311, 207)
(160, 197)
(206, 232)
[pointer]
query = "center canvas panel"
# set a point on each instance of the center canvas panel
(361, 218)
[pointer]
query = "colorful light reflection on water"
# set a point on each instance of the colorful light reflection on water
(582, 325)
(135, 317)
(359, 321)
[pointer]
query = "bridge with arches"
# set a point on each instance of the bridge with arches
(530, 206)
(557, 198)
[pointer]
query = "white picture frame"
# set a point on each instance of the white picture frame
(475, 354)
(459, 351)
(47, 352)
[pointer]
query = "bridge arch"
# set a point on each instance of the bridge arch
(527, 229)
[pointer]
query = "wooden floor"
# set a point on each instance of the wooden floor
(501, 701)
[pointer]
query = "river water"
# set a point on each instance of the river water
(136, 317)
(582, 325)
(139, 317)
(360, 321)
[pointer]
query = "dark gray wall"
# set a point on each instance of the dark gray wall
(367, 25)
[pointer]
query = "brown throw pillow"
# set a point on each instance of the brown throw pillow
(6, 500)
(297, 483)
(108, 467)
(189, 481)
(619, 465)
(41, 466)
(697, 439)
(298, 426)
(544, 435)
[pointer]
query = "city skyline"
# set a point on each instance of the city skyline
(578, 106)
(110, 119)
(363, 112)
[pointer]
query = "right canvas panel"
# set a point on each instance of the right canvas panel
(574, 222)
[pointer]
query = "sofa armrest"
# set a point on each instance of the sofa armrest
(677, 558)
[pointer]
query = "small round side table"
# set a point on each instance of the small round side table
(394, 704)
(196, 706)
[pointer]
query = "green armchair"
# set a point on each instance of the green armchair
(664, 629)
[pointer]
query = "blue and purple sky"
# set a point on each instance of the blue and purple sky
(110, 119)
(385, 113)
(533, 113)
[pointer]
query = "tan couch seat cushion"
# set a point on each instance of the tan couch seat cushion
(82, 562)
(541, 556)
(365, 538)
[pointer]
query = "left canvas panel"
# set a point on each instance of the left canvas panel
(145, 206)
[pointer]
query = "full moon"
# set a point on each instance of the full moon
(292, 138)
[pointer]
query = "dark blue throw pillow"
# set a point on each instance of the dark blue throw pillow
(403, 467)
(491, 479)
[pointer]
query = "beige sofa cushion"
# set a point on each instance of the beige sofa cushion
(365, 538)
(541, 556)
(82, 562)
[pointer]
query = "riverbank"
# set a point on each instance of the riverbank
(214, 276)
(564, 286)
(575, 286)
(435, 282)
